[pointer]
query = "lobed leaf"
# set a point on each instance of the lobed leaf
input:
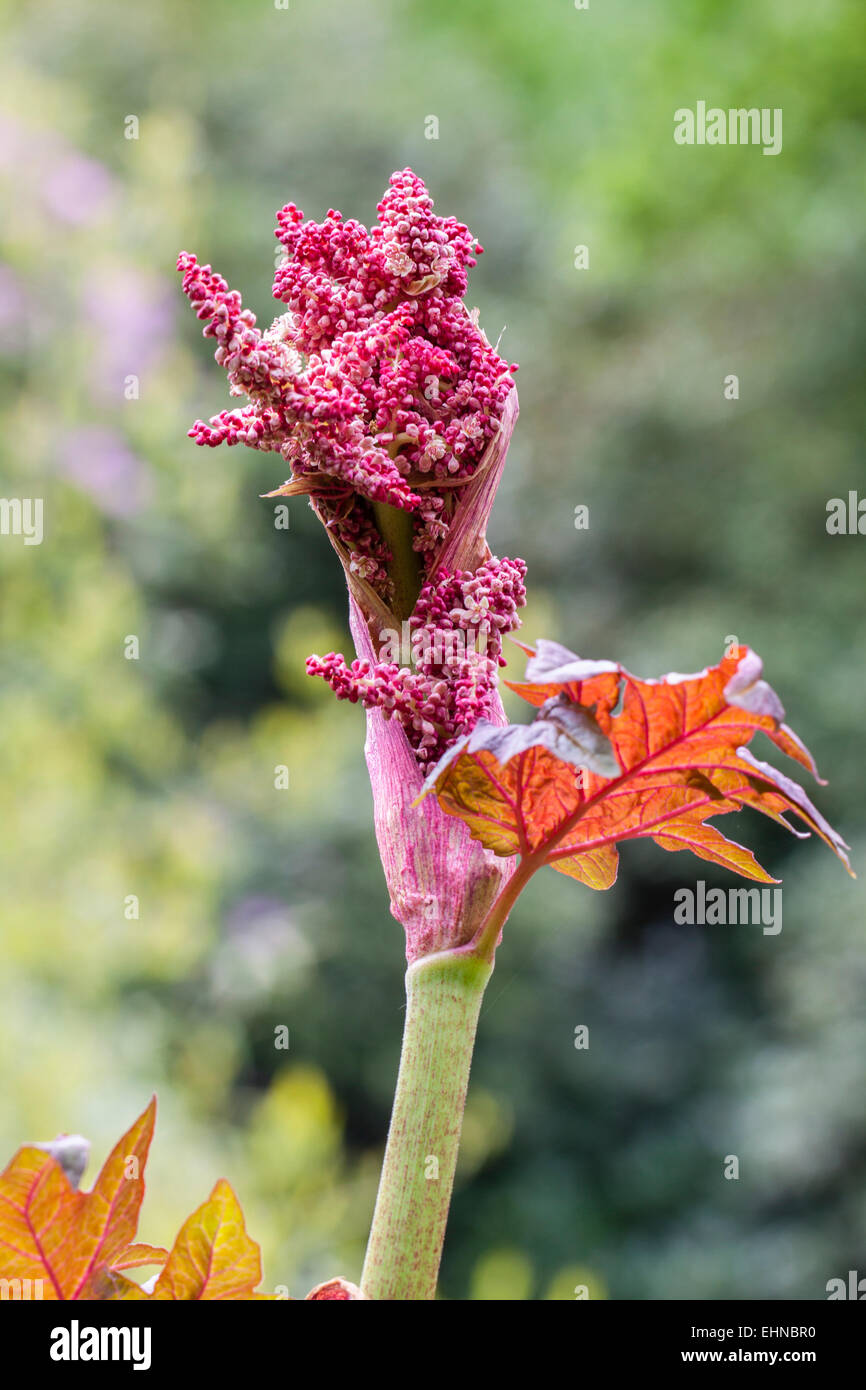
(212, 1258)
(79, 1243)
(51, 1231)
(657, 759)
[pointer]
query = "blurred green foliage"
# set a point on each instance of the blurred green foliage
(154, 778)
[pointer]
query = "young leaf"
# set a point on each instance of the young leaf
(66, 1238)
(77, 1243)
(658, 759)
(212, 1258)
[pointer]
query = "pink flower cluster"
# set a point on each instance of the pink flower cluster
(377, 387)
(377, 382)
(456, 635)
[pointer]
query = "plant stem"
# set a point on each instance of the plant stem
(485, 940)
(444, 994)
(395, 528)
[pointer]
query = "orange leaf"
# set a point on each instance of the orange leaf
(64, 1237)
(212, 1258)
(611, 757)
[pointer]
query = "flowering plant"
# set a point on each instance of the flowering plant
(394, 413)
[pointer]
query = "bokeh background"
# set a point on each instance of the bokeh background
(155, 777)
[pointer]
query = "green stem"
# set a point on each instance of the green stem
(395, 528)
(443, 995)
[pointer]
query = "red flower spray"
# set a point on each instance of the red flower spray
(394, 412)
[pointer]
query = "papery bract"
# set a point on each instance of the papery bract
(442, 883)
